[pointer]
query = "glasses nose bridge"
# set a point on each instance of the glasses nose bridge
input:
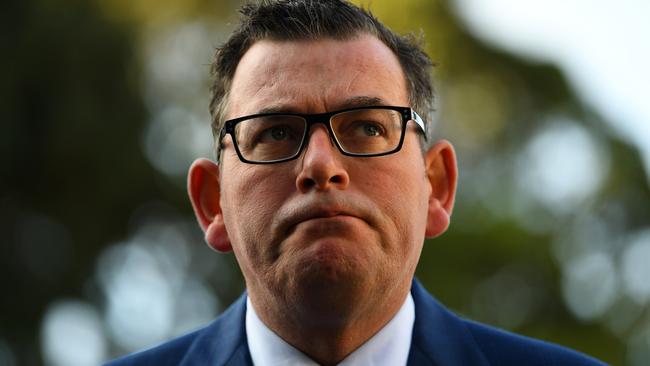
(316, 119)
(322, 118)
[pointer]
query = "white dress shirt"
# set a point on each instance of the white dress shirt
(388, 347)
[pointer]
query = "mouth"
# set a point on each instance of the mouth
(320, 214)
(307, 214)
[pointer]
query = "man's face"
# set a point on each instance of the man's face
(324, 225)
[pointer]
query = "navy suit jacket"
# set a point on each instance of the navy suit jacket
(439, 338)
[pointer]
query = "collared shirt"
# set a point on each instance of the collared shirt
(388, 347)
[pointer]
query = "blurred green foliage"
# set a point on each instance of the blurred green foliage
(72, 116)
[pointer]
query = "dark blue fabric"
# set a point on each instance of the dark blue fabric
(439, 338)
(442, 338)
(221, 343)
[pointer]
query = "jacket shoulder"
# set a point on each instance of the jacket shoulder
(168, 353)
(223, 342)
(505, 348)
(441, 337)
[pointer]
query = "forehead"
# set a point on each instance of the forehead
(314, 76)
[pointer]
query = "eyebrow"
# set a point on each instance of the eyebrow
(353, 102)
(361, 101)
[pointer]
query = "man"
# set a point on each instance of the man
(328, 182)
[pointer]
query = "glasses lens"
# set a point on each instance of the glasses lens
(270, 138)
(368, 131)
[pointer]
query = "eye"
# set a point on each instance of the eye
(371, 129)
(277, 133)
(270, 137)
(273, 134)
(366, 128)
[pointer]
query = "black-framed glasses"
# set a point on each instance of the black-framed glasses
(269, 138)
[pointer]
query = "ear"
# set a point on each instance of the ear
(442, 173)
(203, 187)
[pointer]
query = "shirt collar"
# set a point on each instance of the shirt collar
(389, 346)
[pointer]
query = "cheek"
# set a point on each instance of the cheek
(399, 192)
(250, 200)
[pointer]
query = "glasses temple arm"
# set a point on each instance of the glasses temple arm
(417, 119)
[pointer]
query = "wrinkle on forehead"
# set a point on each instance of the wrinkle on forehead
(353, 80)
(315, 76)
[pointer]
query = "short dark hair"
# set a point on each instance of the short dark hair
(286, 20)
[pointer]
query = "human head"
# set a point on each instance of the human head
(326, 242)
(310, 20)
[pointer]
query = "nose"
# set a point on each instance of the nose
(322, 167)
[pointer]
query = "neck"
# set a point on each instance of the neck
(326, 331)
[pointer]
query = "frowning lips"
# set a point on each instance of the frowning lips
(294, 214)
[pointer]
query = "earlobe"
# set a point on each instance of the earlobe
(203, 187)
(442, 173)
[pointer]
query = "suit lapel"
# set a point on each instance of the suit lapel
(241, 357)
(439, 336)
(222, 343)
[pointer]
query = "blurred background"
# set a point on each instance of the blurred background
(103, 106)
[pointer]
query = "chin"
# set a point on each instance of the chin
(328, 273)
(330, 262)
(331, 282)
